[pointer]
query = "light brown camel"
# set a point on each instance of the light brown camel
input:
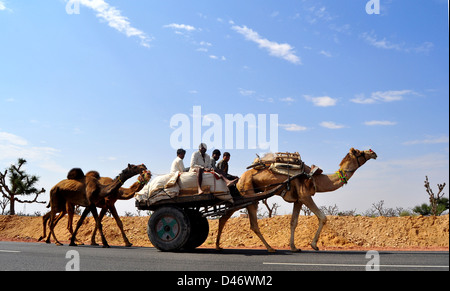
(301, 192)
(86, 191)
(106, 204)
(123, 194)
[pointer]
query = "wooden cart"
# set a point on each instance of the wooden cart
(180, 223)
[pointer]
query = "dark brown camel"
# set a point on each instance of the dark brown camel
(86, 191)
(106, 204)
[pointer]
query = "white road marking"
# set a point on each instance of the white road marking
(354, 265)
(8, 251)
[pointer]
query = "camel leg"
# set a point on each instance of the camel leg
(52, 228)
(60, 216)
(120, 225)
(45, 218)
(99, 225)
(71, 212)
(94, 233)
(252, 215)
(79, 223)
(308, 201)
(222, 221)
(294, 223)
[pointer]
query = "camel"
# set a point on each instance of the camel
(106, 204)
(301, 191)
(123, 194)
(86, 191)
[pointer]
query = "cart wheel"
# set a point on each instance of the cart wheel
(169, 229)
(199, 229)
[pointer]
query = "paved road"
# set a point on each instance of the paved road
(39, 256)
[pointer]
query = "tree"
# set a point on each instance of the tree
(425, 209)
(20, 183)
(272, 211)
(434, 199)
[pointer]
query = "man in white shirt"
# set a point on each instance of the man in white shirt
(177, 164)
(200, 162)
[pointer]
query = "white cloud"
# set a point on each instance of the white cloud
(373, 40)
(429, 140)
(293, 127)
(214, 57)
(2, 6)
(116, 20)
(324, 101)
(331, 125)
(382, 96)
(287, 99)
(10, 138)
(280, 50)
(245, 92)
(13, 147)
(380, 122)
(177, 26)
(325, 53)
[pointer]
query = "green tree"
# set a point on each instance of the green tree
(426, 209)
(438, 203)
(20, 184)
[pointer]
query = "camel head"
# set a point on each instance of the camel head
(356, 158)
(145, 177)
(132, 170)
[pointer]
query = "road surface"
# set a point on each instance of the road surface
(17, 256)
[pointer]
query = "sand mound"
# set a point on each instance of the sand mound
(339, 233)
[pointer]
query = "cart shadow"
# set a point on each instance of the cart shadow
(244, 252)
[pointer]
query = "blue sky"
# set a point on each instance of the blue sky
(97, 89)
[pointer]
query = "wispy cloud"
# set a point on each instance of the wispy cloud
(293, 127)
(279, 50)
(246, 92)
(13, 146)
(116, 20)
(3, 6)
(324, 101)
(179, 27)
(429, 140)
(380, 122)
(382, 96)
(331, 125)
(10, 138)
(383, 43)
(287, 100)
(325, 53)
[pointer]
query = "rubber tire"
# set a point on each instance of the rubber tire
(174, 229)
(199, 230)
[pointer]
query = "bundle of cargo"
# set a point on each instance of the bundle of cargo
(183, 184)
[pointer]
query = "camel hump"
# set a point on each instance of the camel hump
(75, 174)
(93, 174)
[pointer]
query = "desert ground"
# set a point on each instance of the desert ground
(341, 232)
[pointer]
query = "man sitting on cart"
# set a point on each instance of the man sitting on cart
(201, 162)
(177, 164)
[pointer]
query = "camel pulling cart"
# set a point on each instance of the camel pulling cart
(179, 220)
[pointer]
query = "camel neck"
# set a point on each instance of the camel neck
(128, 193)
(332, 182)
